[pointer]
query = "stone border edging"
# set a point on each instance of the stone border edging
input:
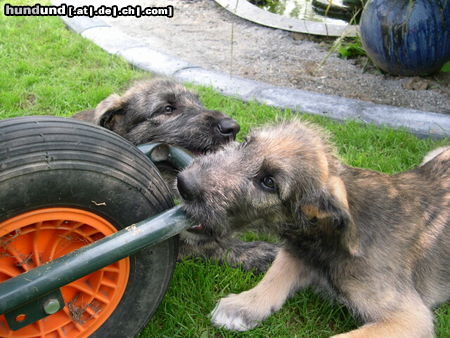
(247, 11)
(424, 124)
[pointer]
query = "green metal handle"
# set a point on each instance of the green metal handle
(64, 270)
(178, 157)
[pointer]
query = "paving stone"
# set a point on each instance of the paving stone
(81, 23)
(340, 108)
(111, 39)
(154, 61)
(233, 86)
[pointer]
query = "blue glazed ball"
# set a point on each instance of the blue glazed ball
(407, 37)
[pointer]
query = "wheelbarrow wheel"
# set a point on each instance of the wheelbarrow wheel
(65, 184)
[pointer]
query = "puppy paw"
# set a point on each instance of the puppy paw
(238, 313)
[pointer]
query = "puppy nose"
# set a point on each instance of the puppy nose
(228, 127)
(188, 186)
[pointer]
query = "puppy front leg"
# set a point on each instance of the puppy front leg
(246, 310)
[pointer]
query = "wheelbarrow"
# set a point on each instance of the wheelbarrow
(88, 229)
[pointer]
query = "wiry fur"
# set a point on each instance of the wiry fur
(378, 243)
(139, 116)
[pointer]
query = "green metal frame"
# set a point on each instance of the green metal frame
(29, 292)
(37, 309)
(160, 152)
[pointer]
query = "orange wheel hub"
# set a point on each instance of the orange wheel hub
(36, 237)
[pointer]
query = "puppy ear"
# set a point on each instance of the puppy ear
(110, 113)
(332, 209)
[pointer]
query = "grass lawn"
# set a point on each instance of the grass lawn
(46, 69)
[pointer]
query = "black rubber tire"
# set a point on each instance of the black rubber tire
(51, 162)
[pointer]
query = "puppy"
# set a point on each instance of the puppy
(378, 243)
(162, 110)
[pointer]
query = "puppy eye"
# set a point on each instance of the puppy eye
(268, 183)
(169, 109)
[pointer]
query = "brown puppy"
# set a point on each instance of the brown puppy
(378, 243)
(162, 110)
